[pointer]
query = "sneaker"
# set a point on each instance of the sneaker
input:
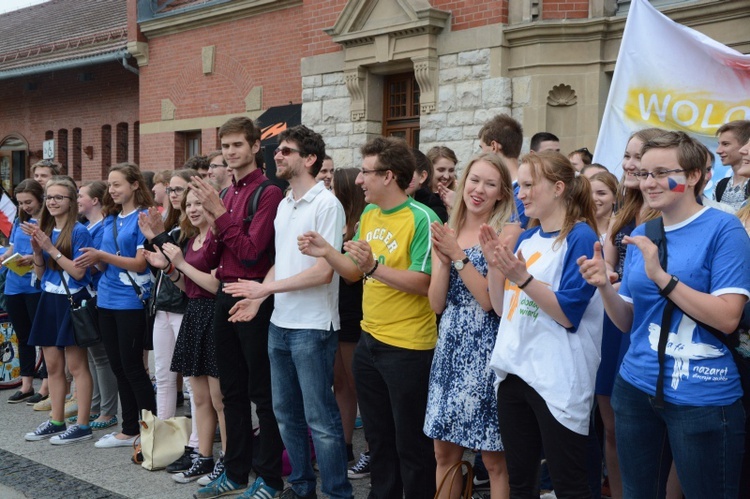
(110, 440)
(72, 435)
(100, 425)
(216, 473)
(19, 397)
(291, 494)
(45, 404)
(220, 487)
(44, 431)
(362, 468)
(259, 490)
(358, 423)
(184, 462)
(201, 466)
(37, 397)
(74, 419)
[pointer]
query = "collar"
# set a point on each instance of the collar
(248, 179)
(311, 194)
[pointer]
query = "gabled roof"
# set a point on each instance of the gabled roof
(62, 30)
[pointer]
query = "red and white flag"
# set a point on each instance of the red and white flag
(8, 212)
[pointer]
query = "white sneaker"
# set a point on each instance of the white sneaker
(110, 440)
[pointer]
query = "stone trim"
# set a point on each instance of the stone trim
(211, 15)
(139, 50)
(187, 124)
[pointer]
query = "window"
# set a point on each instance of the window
(192, 144)
(121, 144)
(106, 150)
(62, 150)
(77, 154)
(401, 108)
(137, 142)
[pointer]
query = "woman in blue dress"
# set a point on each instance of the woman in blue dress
(462, 406)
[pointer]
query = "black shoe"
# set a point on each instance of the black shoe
(201, 466)
(180, 399)
(19, 397)
(291, 494)
(184, 462)
(37, 397)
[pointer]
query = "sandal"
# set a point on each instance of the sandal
(100, 425)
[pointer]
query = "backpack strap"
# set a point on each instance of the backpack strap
(252, 206)
(721, 186)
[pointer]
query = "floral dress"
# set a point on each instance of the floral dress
(462, 402)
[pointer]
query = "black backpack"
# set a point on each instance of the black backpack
(252, 208)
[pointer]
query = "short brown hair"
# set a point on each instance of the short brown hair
(506, 131)
(55, 168)
(393, 154)
(691, 155)
(740, 129)
(242, 125)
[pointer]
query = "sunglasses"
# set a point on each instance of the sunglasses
(285, 151)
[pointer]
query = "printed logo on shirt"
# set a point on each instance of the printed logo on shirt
(384, 235)
(681, 347)
(529, 308)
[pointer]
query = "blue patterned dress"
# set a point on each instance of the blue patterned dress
(462, 403)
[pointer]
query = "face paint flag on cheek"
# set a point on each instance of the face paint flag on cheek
(677, 183)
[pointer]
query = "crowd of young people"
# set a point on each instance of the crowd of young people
(534, 302)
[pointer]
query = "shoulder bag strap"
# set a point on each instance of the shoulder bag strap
(137, 288)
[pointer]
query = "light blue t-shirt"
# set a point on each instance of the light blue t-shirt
(21, 284)
(96, 231)
(115, 289)
(710, 252)
(51, 279)
(522, 218)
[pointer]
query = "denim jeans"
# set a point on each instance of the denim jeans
(392, 385)
(301, 380)
(705, 442)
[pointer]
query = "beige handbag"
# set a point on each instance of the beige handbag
(455, 474)
(162, 441)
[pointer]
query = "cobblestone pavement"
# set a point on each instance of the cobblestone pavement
(40, 470)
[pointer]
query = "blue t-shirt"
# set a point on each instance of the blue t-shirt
(710, 253)
(522, 218)
(96, 231)
(21, 284)
(115, 289)
(51, 279)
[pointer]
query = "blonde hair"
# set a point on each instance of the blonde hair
(505, 207)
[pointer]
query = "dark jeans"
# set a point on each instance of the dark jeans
(392, 387)
(21, 311)
(122, 334)
(525, 425)
(706, 443)
(245, 376)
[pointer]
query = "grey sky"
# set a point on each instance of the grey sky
(10, 5)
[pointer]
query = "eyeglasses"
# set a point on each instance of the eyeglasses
(583, 149)
(218, 165)
(57, 199)
(285, 151)
(375, 170)
(176, 190)
(657, 175)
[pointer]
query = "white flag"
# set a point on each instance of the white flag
(673, 77)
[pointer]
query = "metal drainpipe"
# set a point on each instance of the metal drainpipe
(128, 66)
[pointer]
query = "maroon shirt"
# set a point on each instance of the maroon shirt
(198, 260)
(240, 250)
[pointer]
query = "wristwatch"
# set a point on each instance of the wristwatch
(460, 264)
(59, 255)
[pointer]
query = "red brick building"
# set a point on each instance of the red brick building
(65, 74)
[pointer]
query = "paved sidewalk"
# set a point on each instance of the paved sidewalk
(41, 470)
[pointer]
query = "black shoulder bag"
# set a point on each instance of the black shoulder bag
(148, 336)
(84, 318)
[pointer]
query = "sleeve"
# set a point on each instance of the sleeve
(730, 264)
(574, 293)
(420, 250)
(96, 237)
(212, 250)
(81, 239)
(14, 229)
(330, 223)
(140, 239)
(248, 245)
(624, 290)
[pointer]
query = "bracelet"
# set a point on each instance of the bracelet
(526, 282)
(168, 269)
(179, 276)
(38, 264)
(368, 275)
(670, 286)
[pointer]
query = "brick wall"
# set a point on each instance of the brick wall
(61, 102)
(473, 13)
(565, 9)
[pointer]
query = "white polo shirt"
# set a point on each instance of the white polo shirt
(311, 308)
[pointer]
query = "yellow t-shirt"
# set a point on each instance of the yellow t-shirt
(400, 239)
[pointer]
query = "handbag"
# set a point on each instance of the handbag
(450, 478)
(149, 312)
(84, 318)
(162, 441)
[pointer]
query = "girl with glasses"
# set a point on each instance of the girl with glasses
(56, 242)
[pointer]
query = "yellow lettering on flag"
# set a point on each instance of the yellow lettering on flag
(695, 112)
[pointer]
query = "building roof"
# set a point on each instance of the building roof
(61, 30)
